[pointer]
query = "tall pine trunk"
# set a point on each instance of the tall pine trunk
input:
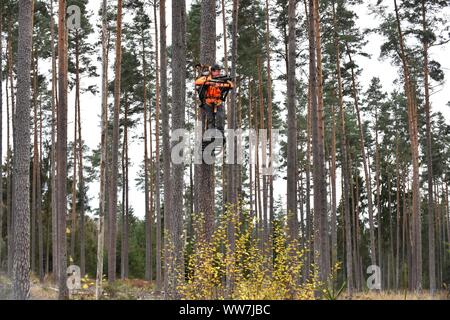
(269, 122)
(148, 206)
(292, 129)
(431, 234)
(365, 161)
(205, 173)
(81, 228)
(344, 168)
(320, 200)
(165, 114)
(55, 249)
(61, 150)
(21, 174)
(178, 120)
(157, 162)
(104, 122)
(112, 205)
(416, 240)
(232, 168)
(124, 243)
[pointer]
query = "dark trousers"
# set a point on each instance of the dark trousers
(215, 120)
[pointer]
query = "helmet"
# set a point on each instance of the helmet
(216, 66)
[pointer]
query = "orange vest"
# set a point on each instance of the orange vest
(213, 91)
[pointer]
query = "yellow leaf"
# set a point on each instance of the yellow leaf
(67, 230)
(85, 286)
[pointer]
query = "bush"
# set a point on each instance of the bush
(252, 271)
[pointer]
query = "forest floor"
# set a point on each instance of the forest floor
(392, 295)
(136, 289)
(130, 289)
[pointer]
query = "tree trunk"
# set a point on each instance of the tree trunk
(178, 120)
(232, 169)
(61, 151)
(75, 154)
(364, 160)
(228, 104)
(320, 200)
(416, 240)
(55, 249)
(263, 143)
(81, 193)
(431, 235)
(378, 196)
(157, 162)
(124, 243)
(102, 196)
(112, 206)
(39, 205)
(269, 122)
(9, 217)
(148, 205)
(165, 113)
(345, 169)
(333, 191)
(205, 174)
(34, 162)
(21, 176)
(292, 129)
(397, 225)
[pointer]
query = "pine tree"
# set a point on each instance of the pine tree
(21, 183)
(61, 150)
(112, 205)
(292, 129)
(178, 122)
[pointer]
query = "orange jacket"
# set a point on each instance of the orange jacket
(212, 91)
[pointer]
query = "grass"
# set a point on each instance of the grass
(391, 295)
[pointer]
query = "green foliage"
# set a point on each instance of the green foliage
(244, 268)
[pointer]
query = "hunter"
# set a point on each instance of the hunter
(213, 89)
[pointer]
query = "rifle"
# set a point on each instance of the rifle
(205, 70)
(222, 81)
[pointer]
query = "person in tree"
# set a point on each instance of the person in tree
(213, 88)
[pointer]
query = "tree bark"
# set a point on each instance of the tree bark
(320, 199)
(269, 121)
(157, 162)
(124, 243)
(364, 160)
(21, 176)
(178, 121)
(61, 151)
(416, 240)
(55, 249)
(102, 196)
(81, 228)
(148, 205)
(112, 206)
(232, 169)
(431, 232)
(205, 172)
(344, 169)
(292, 128)
(165, 113)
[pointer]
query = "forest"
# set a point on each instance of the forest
(224, 149)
